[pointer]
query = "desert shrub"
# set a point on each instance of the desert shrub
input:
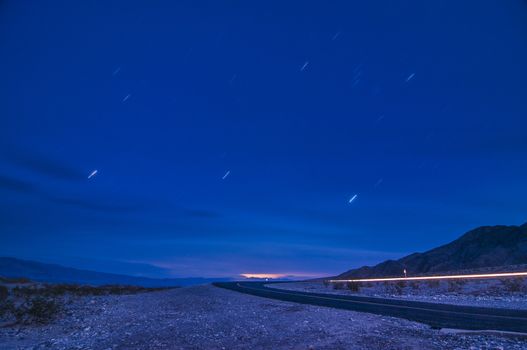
(414, 285)
(393, 288)
(24, 292)
(78, 290)
(455, 286)
(513, 284)
(6, 308)
(4, 293)
(43, 310)
(338, 285)
(399, 286)
(37, 310)
(12, 280)
(433, 283)
(354, 286)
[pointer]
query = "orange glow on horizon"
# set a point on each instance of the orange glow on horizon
(263, 275)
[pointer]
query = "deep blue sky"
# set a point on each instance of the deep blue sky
(164, 97)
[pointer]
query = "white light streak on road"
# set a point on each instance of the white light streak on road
(353, 198)
(445, 277)
(126, 97)
(410, 77)
(226, 174)
(304, 66)
(93, 173)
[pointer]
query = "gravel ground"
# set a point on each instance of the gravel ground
(483, 294)
(208, 317)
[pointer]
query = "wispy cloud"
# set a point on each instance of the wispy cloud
(197, 213)
(17, 185)
(114, 205)
(44, 165)
(23, 186)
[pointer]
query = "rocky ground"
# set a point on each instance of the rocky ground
(207, 317)
(510, 293)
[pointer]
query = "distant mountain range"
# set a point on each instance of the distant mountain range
(483, 247)
(51, 273)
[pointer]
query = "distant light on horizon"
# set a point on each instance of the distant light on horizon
(263, 275)
(292, 275)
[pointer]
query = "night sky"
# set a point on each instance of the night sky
(230, 136)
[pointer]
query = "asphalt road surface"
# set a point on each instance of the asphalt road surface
(435, 315)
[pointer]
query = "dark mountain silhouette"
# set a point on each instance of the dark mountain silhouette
(51, 273)
(483, 247)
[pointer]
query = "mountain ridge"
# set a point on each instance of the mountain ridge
(54, 273)
(482, 247)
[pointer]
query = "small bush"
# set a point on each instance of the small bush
(433, 283)
(74, 289)
(338, 285)
(43, 310)
(513, 285)
(393, 288)
(354, 286)
(13, 280)
(6, 308)
(399, 287)
(37, 310)
(414, 285)
(455, 286)
(4, 293)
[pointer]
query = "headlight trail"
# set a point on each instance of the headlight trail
(424, 278)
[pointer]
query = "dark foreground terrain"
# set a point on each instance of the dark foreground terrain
(207, 317)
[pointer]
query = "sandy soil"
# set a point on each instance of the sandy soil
(208, 317)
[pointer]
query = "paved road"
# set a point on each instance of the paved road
(436, 315)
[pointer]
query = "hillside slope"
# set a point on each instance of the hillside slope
(51, 273)
(487, 246)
